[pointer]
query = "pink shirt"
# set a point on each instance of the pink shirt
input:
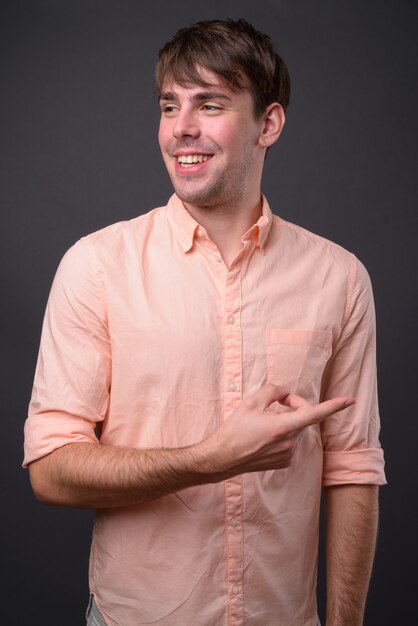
(148, 333)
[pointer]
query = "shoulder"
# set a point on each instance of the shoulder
(330, 263)
(115, 233)
(303, 238)
(321, 253)
(113, 239)
(108, 247)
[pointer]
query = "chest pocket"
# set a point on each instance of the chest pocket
(297, 358)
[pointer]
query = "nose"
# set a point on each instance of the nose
(186, 125)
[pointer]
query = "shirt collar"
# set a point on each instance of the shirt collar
(185, 226)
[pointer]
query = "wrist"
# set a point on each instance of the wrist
(210, 462)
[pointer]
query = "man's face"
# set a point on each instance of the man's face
(209, 139)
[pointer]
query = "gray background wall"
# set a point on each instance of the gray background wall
(78, 150)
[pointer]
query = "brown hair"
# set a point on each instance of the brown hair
(242, 57)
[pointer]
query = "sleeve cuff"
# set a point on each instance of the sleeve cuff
(363, 467)
(44, 435)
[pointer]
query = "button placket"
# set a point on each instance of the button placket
(234, 549)
(232, 398)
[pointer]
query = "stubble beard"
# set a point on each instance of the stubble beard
(222, 194)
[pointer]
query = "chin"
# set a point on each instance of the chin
(202, 197)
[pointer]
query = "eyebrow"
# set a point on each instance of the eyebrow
(197, 97)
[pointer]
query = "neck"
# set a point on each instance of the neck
(226, 225)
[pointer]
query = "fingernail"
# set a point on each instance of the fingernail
(349, 402)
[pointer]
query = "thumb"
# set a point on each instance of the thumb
(269, 393)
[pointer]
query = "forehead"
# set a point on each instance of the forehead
(204, 79)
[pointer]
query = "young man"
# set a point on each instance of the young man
(228, 358)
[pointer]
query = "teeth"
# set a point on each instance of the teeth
(192, 158)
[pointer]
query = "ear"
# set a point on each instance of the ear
(273, 122)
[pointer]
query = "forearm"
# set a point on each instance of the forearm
(95, 476)
(351, 529)
(252, 439)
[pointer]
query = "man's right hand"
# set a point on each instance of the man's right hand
(261, 434)
(264, 431)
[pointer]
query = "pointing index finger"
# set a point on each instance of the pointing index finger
(308, 415)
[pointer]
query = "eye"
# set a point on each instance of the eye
(211, 107)
(168, 108)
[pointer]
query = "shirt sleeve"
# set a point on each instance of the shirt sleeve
(72, 379)
(352, 452)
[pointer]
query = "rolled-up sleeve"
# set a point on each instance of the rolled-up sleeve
(72, 379)
(352, 452)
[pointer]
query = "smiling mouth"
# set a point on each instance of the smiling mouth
(191, 159)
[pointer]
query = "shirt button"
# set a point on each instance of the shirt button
(200, 232)
(235, 589)
(218, 259)
(230, 319)
(232, 386)
(234, 522)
